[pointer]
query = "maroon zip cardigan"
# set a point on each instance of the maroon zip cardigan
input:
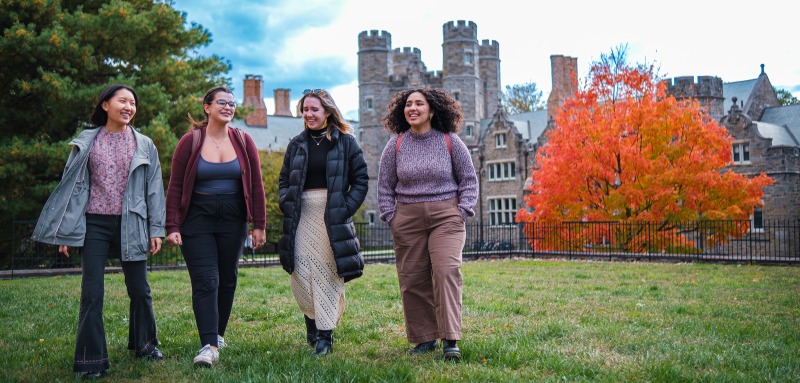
(184, 171)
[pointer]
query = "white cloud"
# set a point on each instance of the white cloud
(683, 37)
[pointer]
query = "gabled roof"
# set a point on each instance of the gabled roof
(788, 116)
(279, 131)
(780, 135)
(530, 124)
(739, 89)
(536, 120)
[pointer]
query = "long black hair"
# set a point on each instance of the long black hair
(99, 116)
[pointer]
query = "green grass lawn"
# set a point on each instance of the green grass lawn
(524, 321)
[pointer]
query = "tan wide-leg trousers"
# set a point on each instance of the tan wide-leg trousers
(428, 239)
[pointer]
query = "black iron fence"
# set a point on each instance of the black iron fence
(706, 241)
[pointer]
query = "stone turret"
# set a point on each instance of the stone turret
(461, 73)
(707, 90)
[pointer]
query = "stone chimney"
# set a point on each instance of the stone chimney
(565, 82)
(254, 98)
(283, 102)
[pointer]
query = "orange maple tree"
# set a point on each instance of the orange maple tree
(625, 153)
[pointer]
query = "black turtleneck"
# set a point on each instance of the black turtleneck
(317, 157)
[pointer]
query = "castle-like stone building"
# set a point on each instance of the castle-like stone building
(504, 146)
(765, 136)
(470, 72)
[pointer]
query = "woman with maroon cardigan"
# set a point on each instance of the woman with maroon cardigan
(215, 189)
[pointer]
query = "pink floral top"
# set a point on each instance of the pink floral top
(109, 165)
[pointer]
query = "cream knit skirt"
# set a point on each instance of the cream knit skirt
(315, 284)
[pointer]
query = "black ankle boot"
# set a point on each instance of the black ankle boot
(451, 350)
(311, 331)
(424, 347)
(324, 343)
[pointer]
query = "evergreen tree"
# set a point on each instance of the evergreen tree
(59, 55)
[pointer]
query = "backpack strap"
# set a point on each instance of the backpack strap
(240, 134)
(195, 140)
(397, 144)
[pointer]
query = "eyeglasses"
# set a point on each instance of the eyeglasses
(314, 91)
(222, 103)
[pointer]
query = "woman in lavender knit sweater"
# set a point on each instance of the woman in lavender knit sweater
(427, 187)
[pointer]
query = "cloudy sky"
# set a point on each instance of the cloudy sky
(314, 43)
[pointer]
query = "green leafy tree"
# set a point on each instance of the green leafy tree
(57, 56)
(522, 98)
(785, 97)
(271, 162)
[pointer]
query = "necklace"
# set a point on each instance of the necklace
(217, 143)
(321, 137)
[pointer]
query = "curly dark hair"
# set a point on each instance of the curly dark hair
(447, 116)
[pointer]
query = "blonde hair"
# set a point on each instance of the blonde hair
(335, 118)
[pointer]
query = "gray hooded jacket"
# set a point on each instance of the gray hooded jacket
(63, 219)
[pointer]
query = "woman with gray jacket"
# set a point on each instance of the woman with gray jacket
(110, 201)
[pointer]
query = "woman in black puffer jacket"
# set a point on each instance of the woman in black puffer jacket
(322, 183)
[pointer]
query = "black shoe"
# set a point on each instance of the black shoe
(324, 343)
(450, 350)
(424, 347)
(155, 354)
(93, 374)
(311, 331)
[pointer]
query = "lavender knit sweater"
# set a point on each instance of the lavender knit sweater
(422, 171)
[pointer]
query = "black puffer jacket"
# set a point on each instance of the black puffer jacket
(347, 181)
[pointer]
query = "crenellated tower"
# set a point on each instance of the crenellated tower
(375, 64)
(470, 72)
(461, 75)
(707, 90)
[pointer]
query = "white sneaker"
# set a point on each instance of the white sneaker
(206, 357)
(221, 342)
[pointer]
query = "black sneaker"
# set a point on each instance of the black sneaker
(425, 347)
(91, 375)
(450, 350)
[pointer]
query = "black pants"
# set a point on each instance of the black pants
(102, 241)
(213, 235)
